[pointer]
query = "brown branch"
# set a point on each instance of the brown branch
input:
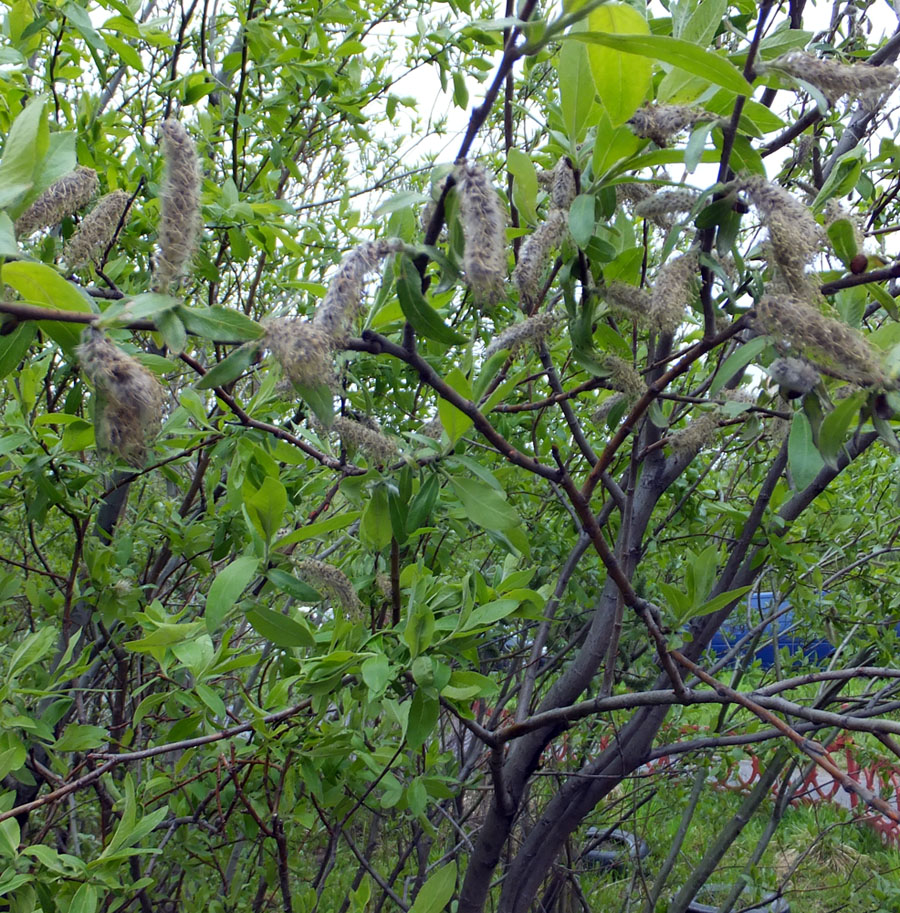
(814, 750)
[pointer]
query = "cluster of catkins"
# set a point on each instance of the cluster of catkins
(305, 348)
(538, 246)
(64, 198)
(661, 122)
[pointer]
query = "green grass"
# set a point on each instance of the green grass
(825, 860)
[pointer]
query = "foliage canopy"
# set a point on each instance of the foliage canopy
(369, 510)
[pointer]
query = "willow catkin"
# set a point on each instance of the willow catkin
(96, 230)
(835, 80)
(331, 582)
(342, 301)
(532, 330)
(304, 350)
(794, 235)
(794, 375)
(534, 255)
(484, 230)
(62, 198)
(672, 291)
(128, 405)
(367, 437)
(661, 122)
(179, 222)
(664, 203)
(830, 345)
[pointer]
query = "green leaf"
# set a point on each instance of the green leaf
(14, 346)
(576, 88)
(219, 324)
(455, 423)
(226, 588)
(422, 316)
(525, 184)
(8, 245)
(582, 220)
(10, 837)
(142, 307)
(376, 673)
(422, 504)
(22, 152)
(622, 80)
(229, 369)
(804, 459)
(85, 900)
(375, 526)
(41, 285)
(490, 613)
(329, 525)
(77, 737)
(843, 176)
(320, 399)
(683, 54)
(173, 332)
(437, 891)
(737, 361)
(843, 239)
(718, 602)
(835, 425)
(423, 717)
(877, 291)
(279, 629)
(266, 506)
(483, 505)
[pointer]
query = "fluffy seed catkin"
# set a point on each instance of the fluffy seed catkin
(794, 235)
(630, 300)
(534, 329)
(342, 301)
(96, 230)
(672, 291)
(835, 80)
(179, 222)
(484, 230)
(303, 350)
(331, 582)
(832, 346)
(695, 435)
(366, 437)
(128, 405)
(662, 204)
(794, 375)
(534, 255)
(62, 198)
(661, 122)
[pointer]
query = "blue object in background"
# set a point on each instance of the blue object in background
(762, 604)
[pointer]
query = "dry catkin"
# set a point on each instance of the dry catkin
(830, 345)
(484, 230)
(672, 291)
(342, 301)
(96, 230)
(661, 122)
(179, 222)
(534, 255)
(794, 235)
(534, 329)
(366, 437)
(331, 582)
(794, 375)
(303, 350)
(128, 405)
(62, 198)
(835, 80)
